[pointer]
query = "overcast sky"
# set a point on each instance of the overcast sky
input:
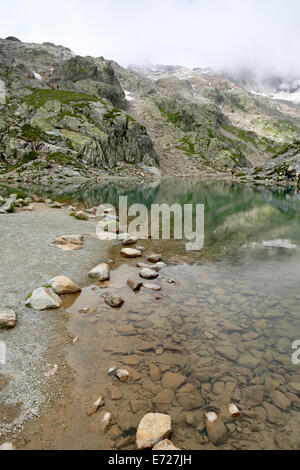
(261, 33)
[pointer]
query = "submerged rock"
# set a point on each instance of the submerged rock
(64, 285)
(280, 400)
(172, 381)
(113, 300)
(8, 318)
(274, 415)
(100, 272)
(165, 397)
(153, 428)
(43, 299)
(155, 372)
(215, 428)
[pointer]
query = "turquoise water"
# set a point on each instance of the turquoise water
(227, 325)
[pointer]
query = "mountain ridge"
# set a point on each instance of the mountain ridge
(91, 117)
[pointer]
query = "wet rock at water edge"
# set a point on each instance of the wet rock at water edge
(148, 273)
(166, 444)
(68, 242)
(153, 428)
(135, 285)
(105, 420)
(63, 285)
(215, 428)
(101, 272)
(127, 239)
(43, 299)
(154, 258)
(79, 215)
(131, 253)
(8, 318)
(94, 407)
(159, 265)
(113, 300)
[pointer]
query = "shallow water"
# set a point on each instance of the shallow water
(227, 325)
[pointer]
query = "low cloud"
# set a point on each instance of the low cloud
(215, 33)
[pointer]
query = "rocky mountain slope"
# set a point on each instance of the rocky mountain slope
(204, 122)
(66, 115)
(65, 109)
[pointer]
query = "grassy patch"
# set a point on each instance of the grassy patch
(39, 97)
(32, 133)
(111, 115)
(59, 157)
